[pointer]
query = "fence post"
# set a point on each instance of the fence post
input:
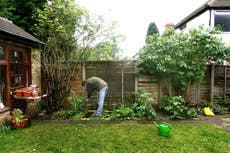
(225, 81)
(159, 89)
(83, 77)
(212, 82)
(122, 82)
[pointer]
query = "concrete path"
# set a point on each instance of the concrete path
(221, 121)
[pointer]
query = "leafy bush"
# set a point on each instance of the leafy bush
(62, 114)
(123, 113)
(5, 127)
(223, 101)
(141, 109)
(175, 106)
(76, 104)
(190, 113)
(203, 104)
(206, 104)
(170, 55)
(142, 106)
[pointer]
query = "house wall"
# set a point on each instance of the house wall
(207, 20)
(202, 19)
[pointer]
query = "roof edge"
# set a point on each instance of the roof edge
(194, 14)
(19, 39)
(210, 4)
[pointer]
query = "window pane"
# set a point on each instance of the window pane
(2, 87)
(12, 69)
(16, 69)
(27, 56)
(223, 20)
(2, 53)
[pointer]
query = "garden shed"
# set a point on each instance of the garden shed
(19, 62)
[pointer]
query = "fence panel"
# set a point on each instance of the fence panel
(120, 75)
(120, 78)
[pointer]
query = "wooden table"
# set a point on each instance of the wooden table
(26, 100)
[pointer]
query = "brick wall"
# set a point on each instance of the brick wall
(36, 67)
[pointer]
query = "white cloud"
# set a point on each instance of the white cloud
(134, 16)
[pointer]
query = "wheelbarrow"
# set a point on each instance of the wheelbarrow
(164, 128)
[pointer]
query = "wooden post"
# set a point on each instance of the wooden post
(198, 93)
(122, 83)
(83, 78)
(136, 80)
(159, 89)
(212, 82)
(136, 83)
(225, 81)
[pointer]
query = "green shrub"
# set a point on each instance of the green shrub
(213, 106)
(190, 113)
(62, 114)
(203, 104)
(223, 101)
(141, 109)
(123, 113)
(175, 106)
(142, 106)
(76, 104)
(5, 127)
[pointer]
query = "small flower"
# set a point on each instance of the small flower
(49, 2)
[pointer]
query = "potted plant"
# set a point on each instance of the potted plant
(18, 120)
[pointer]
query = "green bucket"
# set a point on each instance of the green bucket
(164, 129)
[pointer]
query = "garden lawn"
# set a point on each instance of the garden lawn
(114, 138)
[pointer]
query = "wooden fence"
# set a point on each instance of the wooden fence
(120, 75)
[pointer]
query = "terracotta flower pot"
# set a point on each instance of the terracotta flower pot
(18, 125)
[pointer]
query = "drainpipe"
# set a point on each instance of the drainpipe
(210, 16)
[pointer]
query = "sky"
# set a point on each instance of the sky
(134, 17)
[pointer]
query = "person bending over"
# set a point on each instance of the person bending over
(96, 84)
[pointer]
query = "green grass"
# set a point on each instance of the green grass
(114, 138)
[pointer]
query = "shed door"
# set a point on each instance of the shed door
(17, 69)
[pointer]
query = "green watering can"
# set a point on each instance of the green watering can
(164, 128)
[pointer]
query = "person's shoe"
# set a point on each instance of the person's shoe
(96, 116)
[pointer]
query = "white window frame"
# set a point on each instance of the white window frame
(222, 12)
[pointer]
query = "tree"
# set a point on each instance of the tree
(152, 29)
(182, 56)
(96, 39)
(22, 12)
(56, 26)
(71, 36)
